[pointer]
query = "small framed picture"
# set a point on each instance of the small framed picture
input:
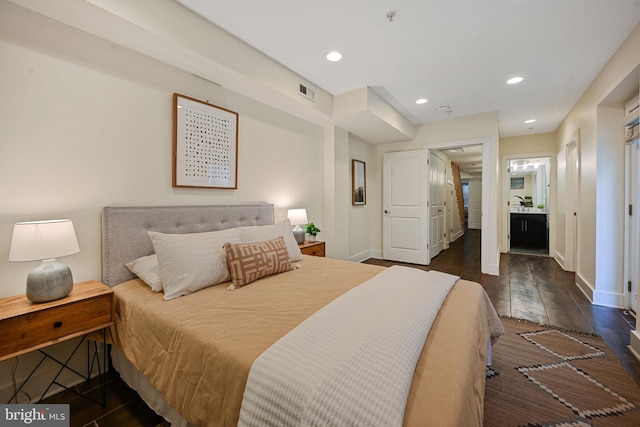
(359, 182)
(517, 183)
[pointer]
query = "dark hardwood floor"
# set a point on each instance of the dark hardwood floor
(528, 287)
(535, 288)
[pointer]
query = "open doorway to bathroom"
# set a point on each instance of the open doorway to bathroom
(528, 205)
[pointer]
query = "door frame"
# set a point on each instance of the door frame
(486, 242)
(441, 234)
(551, 203)
(572, 203)
(631, 224)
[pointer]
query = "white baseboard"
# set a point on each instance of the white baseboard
(596, 297)
(634, 344)
(365, 255)
(608, 299)
(586, 289)
(559, 259)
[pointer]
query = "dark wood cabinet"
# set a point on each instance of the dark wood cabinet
(528, 229)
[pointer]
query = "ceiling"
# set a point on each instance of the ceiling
(468, 159)
(456, 53)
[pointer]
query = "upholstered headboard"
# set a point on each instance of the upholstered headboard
(125, 237)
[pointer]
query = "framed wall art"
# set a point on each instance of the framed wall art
(359, 182)
(205, 144)
(517, 183)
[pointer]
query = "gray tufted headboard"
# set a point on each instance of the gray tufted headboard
(125, 238)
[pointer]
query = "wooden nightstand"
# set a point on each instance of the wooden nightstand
(312, 248)
(26, 326)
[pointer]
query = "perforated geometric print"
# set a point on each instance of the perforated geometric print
(205, 144)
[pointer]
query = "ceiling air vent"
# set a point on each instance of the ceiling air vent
(306, 92)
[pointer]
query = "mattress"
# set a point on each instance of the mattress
(197, 350)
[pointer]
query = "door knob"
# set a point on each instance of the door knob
(387, 212)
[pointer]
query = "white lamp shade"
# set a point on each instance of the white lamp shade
(38, 240)
(297, 216)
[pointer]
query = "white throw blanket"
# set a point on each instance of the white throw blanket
(352, 362)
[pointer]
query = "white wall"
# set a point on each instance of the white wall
(610, 208)
(75, 138)
(85, 124)
(599, 163)
(362, 228)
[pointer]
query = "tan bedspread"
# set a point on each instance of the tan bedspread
(197, 350)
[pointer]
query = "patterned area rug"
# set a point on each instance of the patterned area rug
(542, 376)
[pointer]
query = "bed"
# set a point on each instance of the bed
(190, 357)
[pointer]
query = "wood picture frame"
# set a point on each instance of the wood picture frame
(205, 144)
(358, 182)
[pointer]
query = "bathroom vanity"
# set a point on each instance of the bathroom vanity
(529, 227)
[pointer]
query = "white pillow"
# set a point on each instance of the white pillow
(147, 269)
(190, 262)
(261, 233)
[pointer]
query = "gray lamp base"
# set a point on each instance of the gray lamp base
(299, 235)
(49, 281)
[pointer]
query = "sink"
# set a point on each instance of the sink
(523, 209)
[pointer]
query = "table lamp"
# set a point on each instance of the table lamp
(45, 240)
(298, 217)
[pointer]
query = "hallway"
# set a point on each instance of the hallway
(535, 288)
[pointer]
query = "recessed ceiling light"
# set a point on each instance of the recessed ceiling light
(443, 108)
(422, 101)
(334, 56)
(530, 121)
(514, 80)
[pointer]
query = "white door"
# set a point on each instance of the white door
(632, 226)
(405, 217)
(571, 200)
(437, 204)
(451, 201)
(475, 204)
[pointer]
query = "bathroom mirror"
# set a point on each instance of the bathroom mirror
(529, 180)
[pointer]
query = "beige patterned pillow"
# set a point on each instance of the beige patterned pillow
(249, 262)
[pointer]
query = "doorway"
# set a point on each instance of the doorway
(464, 166)
(490, 259)
(528, 205)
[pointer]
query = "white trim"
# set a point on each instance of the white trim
(586, 289)
(559, 259)
(634, 344)
(365, 255)
(595, 297)
(631, 225)
(457, 235)
(572, 199)
(608, 299)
